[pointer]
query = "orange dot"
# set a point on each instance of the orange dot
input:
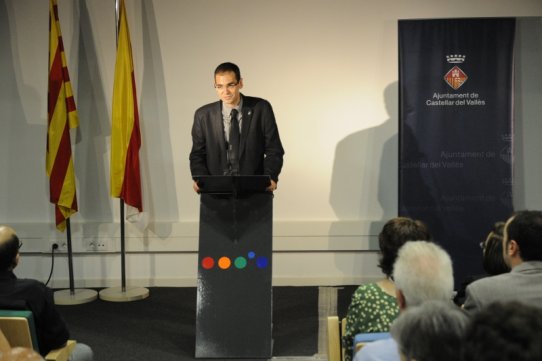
(224, 262)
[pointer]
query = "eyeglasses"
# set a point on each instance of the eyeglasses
(20, 244)
(229, 86)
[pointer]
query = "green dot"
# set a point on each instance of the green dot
(240, 262)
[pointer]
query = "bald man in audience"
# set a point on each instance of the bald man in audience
(522, 247)
(34, 296)
(422, 272)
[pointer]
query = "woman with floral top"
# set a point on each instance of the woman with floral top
(373, 306)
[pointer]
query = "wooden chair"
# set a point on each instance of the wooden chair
(335, 330)
(4, 344)
(16, 353)
(19, 330)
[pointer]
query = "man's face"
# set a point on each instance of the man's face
(228, 88)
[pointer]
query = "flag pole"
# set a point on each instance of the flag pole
(123, 293)
(122, 247)
(70, 260)
(62, 117)
(73, 296)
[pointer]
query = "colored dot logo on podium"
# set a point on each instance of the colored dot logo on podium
(239, 263)
(207, 263)
(262, 262)
(224, 262)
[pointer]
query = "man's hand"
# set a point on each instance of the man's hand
(196, 187)
(272, 186)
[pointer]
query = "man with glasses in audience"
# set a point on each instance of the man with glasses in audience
(522, 248)
(236, 135)
(33, 295)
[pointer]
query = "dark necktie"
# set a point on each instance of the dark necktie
(234, 142)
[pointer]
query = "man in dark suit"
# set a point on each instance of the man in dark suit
(522, 246)
(236, 135)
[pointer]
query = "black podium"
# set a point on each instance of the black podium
(234, 313)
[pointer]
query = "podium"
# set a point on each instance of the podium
(234, 299)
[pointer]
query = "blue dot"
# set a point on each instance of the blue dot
(262, 262)
(251, 255)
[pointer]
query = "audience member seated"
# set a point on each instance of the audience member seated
(432, 331)
(373, 306)
(50, 327)
(492, 260)
(503, 332)
(422, 272)
(522, 245)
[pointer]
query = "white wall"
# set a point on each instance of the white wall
(328, 67)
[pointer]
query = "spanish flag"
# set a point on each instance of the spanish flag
(125, 135)
(61, 116)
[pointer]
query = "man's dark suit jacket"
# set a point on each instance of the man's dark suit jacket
(260, 149)
(35, 296)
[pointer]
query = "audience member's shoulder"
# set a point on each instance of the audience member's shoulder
(32, 284)
(366, 287)
(489, 282)
(363, 290)
(381, 350)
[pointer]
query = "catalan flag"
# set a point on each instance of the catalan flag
(125, 134)
(61, 116)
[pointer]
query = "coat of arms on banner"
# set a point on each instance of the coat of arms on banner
(455, 77)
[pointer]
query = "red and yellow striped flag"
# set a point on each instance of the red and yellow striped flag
(62, 116)
(125, 134)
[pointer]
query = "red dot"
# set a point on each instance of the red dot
(207, 263)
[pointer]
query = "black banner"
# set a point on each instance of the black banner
(455, 130)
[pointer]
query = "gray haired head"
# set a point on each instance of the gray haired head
(423, 271)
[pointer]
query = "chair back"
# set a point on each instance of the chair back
(4, 344)
(335, 330)
(19, 329)
(334, 348)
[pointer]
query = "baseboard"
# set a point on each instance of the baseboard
(191, 282)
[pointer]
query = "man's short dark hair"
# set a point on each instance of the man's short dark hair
(227, 67)
(504, 331)
(8, 251)
(394, 234)
(526, 229)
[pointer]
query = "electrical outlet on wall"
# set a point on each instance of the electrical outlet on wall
(102, 245)
(97, 245)
(61, 246)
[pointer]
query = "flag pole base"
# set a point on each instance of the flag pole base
(79, 296)
(116, 294)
